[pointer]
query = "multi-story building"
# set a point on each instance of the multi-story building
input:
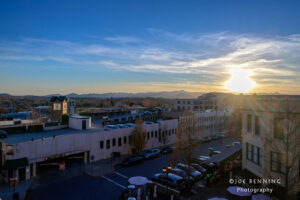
(59, 107)
(24, 155)
(208, 123)
(271, 134)
(203, 102)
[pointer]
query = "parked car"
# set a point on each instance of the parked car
(215, 137)
(148, 123)
(221, 135)
(211, 148)
(181, 173)
(200, 159)
(168, 149)
(170, 180)
(109, 127)
(199, 168)
(3, 134)
(194, 173)
(212, 153)
(152, 153)
(236, 143)
(132, 160)
(207, 139)
(130, 124)
(122, 125)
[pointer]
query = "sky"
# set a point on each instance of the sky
(60, 46)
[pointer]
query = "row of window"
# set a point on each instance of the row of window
(154, 134)
(114, 142)
(277, 159)
(278, 125)
(119, 141)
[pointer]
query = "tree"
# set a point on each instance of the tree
(64, 119)
(285, 145)
(186, 139)
(139, 136)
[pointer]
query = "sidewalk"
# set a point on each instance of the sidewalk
(6, 191)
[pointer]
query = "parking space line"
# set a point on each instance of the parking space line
(121, 175)
(114, 182)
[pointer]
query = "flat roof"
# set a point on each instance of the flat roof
(12, 139)
(225, 154)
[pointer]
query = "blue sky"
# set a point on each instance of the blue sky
(147, 45)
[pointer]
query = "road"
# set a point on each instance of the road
(80, 187)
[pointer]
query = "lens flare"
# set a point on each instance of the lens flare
(239, 81)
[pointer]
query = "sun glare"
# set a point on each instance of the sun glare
(239, 81)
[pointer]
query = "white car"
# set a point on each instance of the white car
(152, 153)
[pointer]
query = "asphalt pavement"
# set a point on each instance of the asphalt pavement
(109, 186)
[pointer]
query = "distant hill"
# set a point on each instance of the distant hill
(170, 95)
(4, 95)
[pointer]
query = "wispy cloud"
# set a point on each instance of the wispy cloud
(270, 59)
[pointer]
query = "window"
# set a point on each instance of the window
(169, 132)
(101, 144)
(277, 163)
(107, 144)
(257, 125)
(125, 140)
(278, 128)
(156, 134)
(151, 134)
(119, 141)
(56, 106)
(178, 102)
(148, 135)
(249, 123)
(114, 142)
(253, 154)
(159, 135)
(173, 131)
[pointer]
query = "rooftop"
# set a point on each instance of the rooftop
(24, 137)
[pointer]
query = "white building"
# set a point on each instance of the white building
(209, 123)
(24, 155)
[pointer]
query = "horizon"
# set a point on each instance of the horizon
(67, 47)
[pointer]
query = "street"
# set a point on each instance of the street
(63, 185)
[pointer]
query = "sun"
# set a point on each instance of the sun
(239, 81)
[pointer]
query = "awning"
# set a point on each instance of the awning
(16, 163)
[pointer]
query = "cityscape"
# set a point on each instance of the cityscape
(149, 100)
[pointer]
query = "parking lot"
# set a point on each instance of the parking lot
(64, 185)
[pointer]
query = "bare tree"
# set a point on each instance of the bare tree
(286, 145)
(139, 136)
(186, 139)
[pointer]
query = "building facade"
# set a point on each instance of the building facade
(24, 156)
(59, 107)
(203, 102)
(271, 134)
